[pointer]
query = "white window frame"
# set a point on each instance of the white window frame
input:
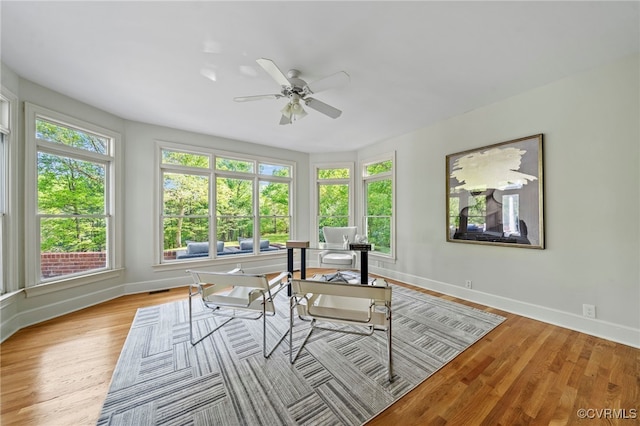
(9, 223)
(34, 284)
(3, 203)
(316, 182)
(213, 174)
(391, 156)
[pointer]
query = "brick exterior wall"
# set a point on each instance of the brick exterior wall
(56, 264)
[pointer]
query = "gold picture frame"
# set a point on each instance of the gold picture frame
(495, 194)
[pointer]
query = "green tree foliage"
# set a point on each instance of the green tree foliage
(234, 206)
(381, 167)
(65, 135)
(234, 201)
(333, 206)
(477, 210)
(66, 185)
(379, 206)
(340, 173)
(185, 195)
(333, 199)
(185, 200)
(379, 211)
(274, 210)
(70, 191)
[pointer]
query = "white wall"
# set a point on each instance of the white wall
(591, 133)
(591, 130)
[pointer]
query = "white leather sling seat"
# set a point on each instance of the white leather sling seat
(365, 308)
(236, 295)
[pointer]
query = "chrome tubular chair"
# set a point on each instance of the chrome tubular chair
(236, 295)
(366, 307)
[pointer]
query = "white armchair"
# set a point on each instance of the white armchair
(334, 238)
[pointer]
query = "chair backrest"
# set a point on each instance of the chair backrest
(381, 293)
(225, 279)
(341, 302)
(335, 234)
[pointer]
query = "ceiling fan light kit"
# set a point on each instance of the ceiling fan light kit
(293, 111)
(298, 91)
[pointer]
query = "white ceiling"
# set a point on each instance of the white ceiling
(411, 63)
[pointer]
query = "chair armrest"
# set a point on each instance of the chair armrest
(205, 289)
(277, 281)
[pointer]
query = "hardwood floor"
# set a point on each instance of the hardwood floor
(524, 372)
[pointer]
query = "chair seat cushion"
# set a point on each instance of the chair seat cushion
(198, 248)
(338, 258)
(239, 297)
(341, 308)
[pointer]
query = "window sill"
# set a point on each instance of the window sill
(7, 298)
(64, 284)
(381, 258)
(223, 260)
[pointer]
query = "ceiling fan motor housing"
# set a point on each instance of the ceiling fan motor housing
(297, 84)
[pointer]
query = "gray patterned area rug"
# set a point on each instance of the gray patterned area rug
(338, 379)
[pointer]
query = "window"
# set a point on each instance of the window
(185, 200)
(379, 204)
(74, 196)
(484, 213)
(476, 211)
(510, 215)
(4, 170)
(333, 196)
(241, 203)
(274, 204)
(10, 222)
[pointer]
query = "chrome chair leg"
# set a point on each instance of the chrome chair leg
(191, 324)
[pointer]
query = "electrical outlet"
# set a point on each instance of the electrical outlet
(467, 283)
(589, 311)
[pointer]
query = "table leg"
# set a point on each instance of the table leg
(289, 267)
(364, 267)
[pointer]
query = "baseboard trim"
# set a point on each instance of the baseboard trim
(9, 314)
(594, 327)
(17, 318)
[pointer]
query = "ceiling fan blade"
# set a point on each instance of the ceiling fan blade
(256, 97)
(270, 67)
(319, 106)
(330, 82)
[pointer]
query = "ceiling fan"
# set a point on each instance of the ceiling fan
(298, 91)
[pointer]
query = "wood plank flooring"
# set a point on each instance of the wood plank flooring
(524, 372)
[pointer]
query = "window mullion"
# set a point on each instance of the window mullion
(66, 151)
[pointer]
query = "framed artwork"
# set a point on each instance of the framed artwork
(495, 194)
